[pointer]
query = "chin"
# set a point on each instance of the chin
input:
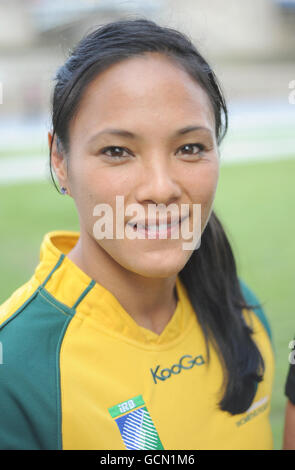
(162, 267)
(155, 272)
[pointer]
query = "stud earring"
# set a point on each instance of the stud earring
(63, 190)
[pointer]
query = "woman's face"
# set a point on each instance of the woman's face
(149, 99)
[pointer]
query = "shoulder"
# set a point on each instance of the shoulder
(31, 320)
(252, 300)
(32, 327)
(18, 300)
(32, 307)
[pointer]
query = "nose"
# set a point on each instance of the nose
(158, 183)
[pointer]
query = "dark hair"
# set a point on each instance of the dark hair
(210, 275)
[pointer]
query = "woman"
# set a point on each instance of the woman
(119, 342)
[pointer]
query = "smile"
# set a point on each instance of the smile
(157, 230)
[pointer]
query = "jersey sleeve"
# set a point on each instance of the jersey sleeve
(290, 381)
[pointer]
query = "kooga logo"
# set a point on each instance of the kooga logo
(185, 362)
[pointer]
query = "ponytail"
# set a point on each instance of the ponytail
(211, 280)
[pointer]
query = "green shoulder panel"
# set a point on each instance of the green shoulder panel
(30, 414)
(29, 376)
(251, 299)
(30, 396)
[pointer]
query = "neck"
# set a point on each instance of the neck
(151, 302)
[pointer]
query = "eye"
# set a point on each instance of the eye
(115, 152)
(192, 149)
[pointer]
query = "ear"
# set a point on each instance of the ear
(59, 163)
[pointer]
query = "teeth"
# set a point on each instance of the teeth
(156, 227)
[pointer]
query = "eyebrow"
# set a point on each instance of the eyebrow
(128, 134)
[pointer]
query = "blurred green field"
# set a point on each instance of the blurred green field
(255, 202)
(26, 152)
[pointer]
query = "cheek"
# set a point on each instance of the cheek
(106, 184)
(100, 183)
(202, 184)
(94, 186)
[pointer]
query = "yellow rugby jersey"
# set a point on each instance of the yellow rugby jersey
(78, 372)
